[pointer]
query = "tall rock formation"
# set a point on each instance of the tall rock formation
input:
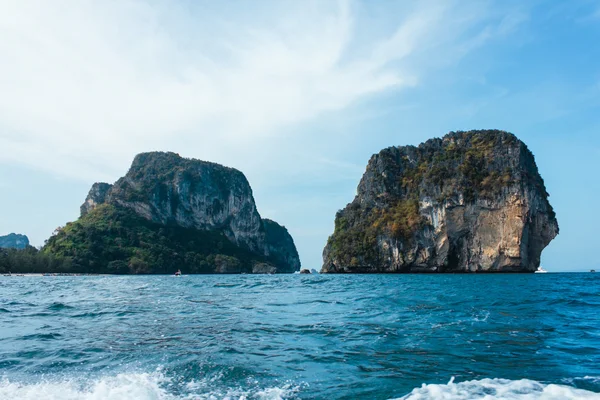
(196, 197)
(14, 241)
(469, 202)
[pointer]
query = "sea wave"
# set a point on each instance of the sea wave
(155, 386)
(491, 389)
(129, 386)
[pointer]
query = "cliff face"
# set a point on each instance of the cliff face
(14, 241)
(470, 202)
(95, 197)
(170, 190)
(167, 190)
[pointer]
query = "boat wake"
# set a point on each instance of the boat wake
(492, 389)
(155, 386)
(138, 386)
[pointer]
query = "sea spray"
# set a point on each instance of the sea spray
(499, 389)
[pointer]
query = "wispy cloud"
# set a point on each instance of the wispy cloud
(86, 84)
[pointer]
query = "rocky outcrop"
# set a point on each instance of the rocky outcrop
(280, 245)
(264, 268)
(95, 197)
(14, 241)
(168, 190)
(469, 202)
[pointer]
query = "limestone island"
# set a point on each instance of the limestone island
(469, 202)
(169, 213)
(14, 241)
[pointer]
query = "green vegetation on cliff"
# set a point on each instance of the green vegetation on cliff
(115, 240)
(357, 229)
(463, 161)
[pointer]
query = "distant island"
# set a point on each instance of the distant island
(469, 202)
(14, 241)
(167, 213)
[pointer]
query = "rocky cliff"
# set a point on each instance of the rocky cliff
(95, 197)
(14, 241)
(469, 202)
(176, 196)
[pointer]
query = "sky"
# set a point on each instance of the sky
(297, 95)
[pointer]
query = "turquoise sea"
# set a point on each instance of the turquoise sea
(521, 336)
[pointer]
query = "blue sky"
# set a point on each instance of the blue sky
(297, 95)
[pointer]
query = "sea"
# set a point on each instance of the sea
(477, 336)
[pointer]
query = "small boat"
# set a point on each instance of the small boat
(178, 273)
(541, 270)
(592, 270)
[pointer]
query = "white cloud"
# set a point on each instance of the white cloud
(86, 84)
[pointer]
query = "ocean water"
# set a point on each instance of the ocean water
(530, 336)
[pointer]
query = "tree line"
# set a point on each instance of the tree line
(32, 260)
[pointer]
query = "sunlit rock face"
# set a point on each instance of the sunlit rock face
(469, 202)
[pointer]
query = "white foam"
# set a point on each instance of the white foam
(132, 386)
(122, 386)
(276, 393)
(492, 389)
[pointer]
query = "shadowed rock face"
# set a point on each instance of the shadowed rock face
(14, 241)
(469, 202)
(170, 190)
(280, 245)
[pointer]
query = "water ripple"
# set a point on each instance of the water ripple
(308, 337)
